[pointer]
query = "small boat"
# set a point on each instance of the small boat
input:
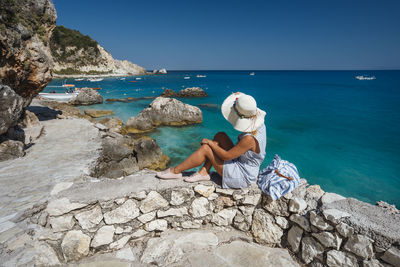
(58, 96)
(95, 79)
(252, 74)
(201, 76)
(123, 79)
(68, 85)
(365, 78)
(138, 78)
(186, 77)
(79, 79)
(133, 81)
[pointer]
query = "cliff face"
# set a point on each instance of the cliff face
(25, 59)
(75, 53)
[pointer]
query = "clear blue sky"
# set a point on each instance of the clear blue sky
(213, 34)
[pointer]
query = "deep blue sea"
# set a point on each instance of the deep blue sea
(342, 133)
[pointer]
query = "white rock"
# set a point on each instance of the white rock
(62, 223)
(344, 229)
(334, 215)
(191, 224)
(119, 230)
(331, 197)
(144, 218)
(152, 202)
(224, 217)
(90, 218)
(120, 201)
(180, 196)
(392, 256)
(276, 207)
(103, 236)
(127, 229)
(264, 229)
(61, 206)
(75, 245)
(310, 249)
(139, 195)
(297, 205)
(223, 191)
(294, 237)
(125, 213)
(156, 225)
(176, 212)
(301, 221)
(319, 222)
(360, 245)
(204, 190)
(100, 126)
(139, 233)
(200, 207)
(120, 243)
(125, 254)
(372, 263)
(336, 258)
(328, 239)
(282, 222)
(60, 187)
(45, 255)
(251, 199)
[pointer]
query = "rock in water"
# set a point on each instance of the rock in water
(149, 154)
(164, 111)
(11, 149)
(97, 113)
(25, 55)
(87, 96)
(168, 93)
(192, 92)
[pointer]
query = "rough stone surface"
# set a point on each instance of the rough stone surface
(294, 237)
(180, 196)
(90, 218)
(328, 239)
(301, 221)
(204, 190)
(277, 207)
(319, 222)
(331, 197)
(335, 215)
(45, 255)
(372, 263)
(224, 217)
(392, 256)
(11, 149)
(344, 230)
(196, 224)
(87, 96)
(103, 236)
(200, 207)
(176, 212)
(297, 205)
(360, 245)
(97, 113)
(125, 213)
(251, 199)
(144, 218)
(61, 206)
(264, 229)
(310, 248)
(338, 258)
(62, 223)
(75, 245)
(282, 222)
(153, 201)
(11, 108)
(156, 225)
(149, 154)
(164, 111)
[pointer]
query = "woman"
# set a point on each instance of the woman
(237, 164)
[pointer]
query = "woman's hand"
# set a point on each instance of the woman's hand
(209, 142)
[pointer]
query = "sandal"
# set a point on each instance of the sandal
(168, 174)
(197, 177)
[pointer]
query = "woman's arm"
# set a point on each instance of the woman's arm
(244, 145)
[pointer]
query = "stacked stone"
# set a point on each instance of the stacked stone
(318, 236)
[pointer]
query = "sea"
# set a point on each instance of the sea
(342, 133)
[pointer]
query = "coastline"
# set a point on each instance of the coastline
(63, 76)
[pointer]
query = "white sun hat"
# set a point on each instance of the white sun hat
(242, 112)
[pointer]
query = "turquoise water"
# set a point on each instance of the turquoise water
(341, 133)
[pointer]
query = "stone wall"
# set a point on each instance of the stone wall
(307, 221)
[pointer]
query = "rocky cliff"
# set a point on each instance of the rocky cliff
(25, 59)
(76, 54)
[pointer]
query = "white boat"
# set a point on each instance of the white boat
(186, 78)
(58, 96)
(365, 78)
(95, 79)
(79, 79)
(201, 76)
(252, 74)
(123, 79)
(138, 78)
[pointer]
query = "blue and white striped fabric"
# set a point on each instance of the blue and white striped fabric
(274, 185)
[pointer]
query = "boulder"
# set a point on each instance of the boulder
(360, 245)
(339, 258)
(97, 113)
(11, 149)
(294, 237)
(392, 256)
(164, 111)
(180, 196)
(75, 245)
(86, 97)
(113, 124)
(149, 154)
(168, 93)
(264, 229)
(90, 218)
(124, 213)
(62, 223)
(103, 236)
(191, 92)
(153, 201)
(310, 248)
(200, 207)
(11, 108)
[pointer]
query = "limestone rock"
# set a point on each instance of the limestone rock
(277, 207)
(45, 255)
(144, 218)
(103, 236)
(139, 195)
(139, 233)
(113, 124)
(360, 245)
(301, 221)
(125, 254)
(225, 191)
(319, 222)
(372, 263)
(191, 224)
(331, 197)
(204, 190)
(297, 205)
(392, 256)
(120, 243)
(200, 207)
(330, 240)
(97, 113)
(244, 218)
(61, 206)
(11, 149)
(180, 196)
(334, 215)
(60, 187)
(62, 223)
(90, 218)
(224, 217)
(339, 258)
(153, 201)
(125, 213)
(164, 111)
(176, 212)
(191, 92)
(310, 249)
(11, 108)
(75, 245)
(264, 230)
(222, 202)
(168, 93)
(87, 96)
(149, 154)
(345, 230)
(282, 222)
(156, 225)
(251, 199)
(294, 237)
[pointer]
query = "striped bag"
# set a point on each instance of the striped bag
(278, 178)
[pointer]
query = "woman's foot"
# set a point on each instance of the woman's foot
(196, 177)
(168, 174)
